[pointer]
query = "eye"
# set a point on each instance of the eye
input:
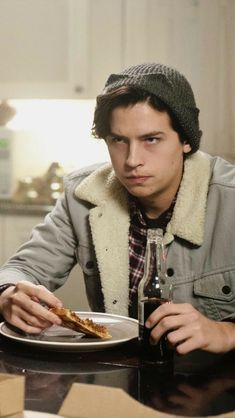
(152, 139)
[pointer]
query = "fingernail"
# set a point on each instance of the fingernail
(152, 341)
(147, 324)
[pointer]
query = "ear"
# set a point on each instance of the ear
(186, 148)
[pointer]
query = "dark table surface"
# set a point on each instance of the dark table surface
(199, 383)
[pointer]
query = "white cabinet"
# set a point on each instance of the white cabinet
(197, 37)
(67, 48)
(42, 48)
(105, 39)
(58, 48)
(165, 31)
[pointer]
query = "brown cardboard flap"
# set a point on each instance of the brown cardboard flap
(11, 394)
(92, 401)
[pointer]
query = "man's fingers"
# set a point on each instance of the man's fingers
(21, 324)
(33, 320)
(38, 292)
(173, 326)
(167, 309)
(26, 298)
(27, 321)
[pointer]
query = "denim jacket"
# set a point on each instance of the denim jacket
(90, 224)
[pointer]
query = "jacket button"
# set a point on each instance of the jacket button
(90, 264)
(170, 272)
(226, 290)
(114, 301)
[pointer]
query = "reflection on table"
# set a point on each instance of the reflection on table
(199, 383)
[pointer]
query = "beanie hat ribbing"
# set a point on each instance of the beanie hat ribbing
(168, 85)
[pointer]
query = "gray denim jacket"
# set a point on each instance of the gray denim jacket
(90, 223)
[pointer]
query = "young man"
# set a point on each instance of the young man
(148, 117)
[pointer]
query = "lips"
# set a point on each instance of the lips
(137, 179)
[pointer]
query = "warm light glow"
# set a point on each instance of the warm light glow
(54, 130)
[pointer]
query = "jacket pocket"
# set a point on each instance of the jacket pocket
(216, 294)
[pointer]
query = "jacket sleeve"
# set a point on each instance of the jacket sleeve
(49, 255)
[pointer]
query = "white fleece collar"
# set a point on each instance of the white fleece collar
(110, 221)
(188, 218)
(101, 186)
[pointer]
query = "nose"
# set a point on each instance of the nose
(134, 155)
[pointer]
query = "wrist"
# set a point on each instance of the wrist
(229, 336)
(5, 286)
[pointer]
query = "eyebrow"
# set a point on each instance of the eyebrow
(153, 133)
(147, 135)
(116, 135)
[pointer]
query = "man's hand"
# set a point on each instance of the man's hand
(22, 306)
(187, 329)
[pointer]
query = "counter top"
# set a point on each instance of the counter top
(10, 207)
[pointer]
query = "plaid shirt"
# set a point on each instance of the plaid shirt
(137, 243)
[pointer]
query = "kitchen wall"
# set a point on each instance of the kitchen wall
(68, 54)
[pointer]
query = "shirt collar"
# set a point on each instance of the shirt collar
(139, 218)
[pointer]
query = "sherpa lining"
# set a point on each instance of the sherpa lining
(109, 221)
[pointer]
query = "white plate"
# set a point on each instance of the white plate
(121, 328)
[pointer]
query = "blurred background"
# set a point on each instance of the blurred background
(55, 58)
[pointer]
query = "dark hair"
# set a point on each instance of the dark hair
(125, 96)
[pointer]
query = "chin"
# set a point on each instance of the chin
(139, 193)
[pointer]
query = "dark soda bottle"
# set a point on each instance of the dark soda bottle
(154, 290)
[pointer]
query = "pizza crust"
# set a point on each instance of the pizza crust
(71, 320)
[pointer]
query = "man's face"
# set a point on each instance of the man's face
(146, 153)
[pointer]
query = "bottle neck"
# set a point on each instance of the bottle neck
(155, 282)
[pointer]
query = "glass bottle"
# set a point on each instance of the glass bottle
(154, 290)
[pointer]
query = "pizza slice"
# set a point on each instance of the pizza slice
(71, 320)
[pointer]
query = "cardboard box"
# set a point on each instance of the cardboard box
(11, 395)
(92, 401)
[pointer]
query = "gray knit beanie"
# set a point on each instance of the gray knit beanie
(168, 85)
